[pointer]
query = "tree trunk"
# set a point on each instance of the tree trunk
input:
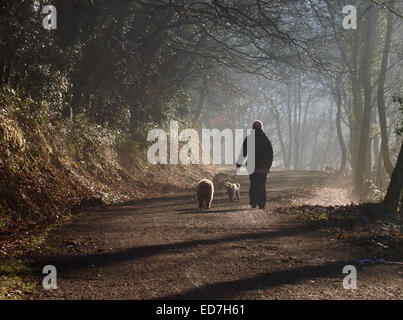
(314, 163)
(297, 124)
(360, 189)
(381, 97)
(377, 158)
(280, 136)
(200, 103)
(343, 148)
(303, 134)
(289, 128)
(394, 193)
(356, 119)
(380, 172)
(328, 143)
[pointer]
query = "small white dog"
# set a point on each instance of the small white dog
(233, 190)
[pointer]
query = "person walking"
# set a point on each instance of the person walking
(263, 163)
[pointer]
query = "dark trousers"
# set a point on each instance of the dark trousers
(257, 190)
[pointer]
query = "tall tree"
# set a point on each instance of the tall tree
(381, 96)
(338, 99)
(364, 149)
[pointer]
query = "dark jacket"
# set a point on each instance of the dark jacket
(263, 150)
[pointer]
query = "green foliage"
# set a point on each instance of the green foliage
(312, 215)
(24, 110)
(12, 283)
(84, 137)
(108, 61)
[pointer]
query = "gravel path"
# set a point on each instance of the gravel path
(168, 249)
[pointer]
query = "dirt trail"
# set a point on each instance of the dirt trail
(168, 249)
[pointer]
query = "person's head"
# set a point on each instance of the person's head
(257, 125)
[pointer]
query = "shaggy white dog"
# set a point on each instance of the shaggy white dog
(205, 193)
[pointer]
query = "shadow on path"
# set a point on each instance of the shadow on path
(205, 211)
(263, 281)
(71, 263)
